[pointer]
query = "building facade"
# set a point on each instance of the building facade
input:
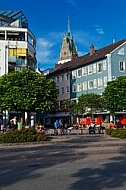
(17, 43)
(91, 72)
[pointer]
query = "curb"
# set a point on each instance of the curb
(70, 143)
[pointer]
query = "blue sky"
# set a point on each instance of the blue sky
(95, 22)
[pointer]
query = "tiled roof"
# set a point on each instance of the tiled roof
(86, 59)
(98, 55)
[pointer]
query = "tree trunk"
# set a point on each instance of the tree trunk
(22, 117)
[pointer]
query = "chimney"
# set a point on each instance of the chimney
(92, 51)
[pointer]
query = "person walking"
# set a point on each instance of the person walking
(56, 126)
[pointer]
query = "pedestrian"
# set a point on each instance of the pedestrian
(19, 125)
(2, 128)
(102, 127)
(119, 124)
(61, 127)
(13, 123)
(56, 126)
(111, 125)
(14, 120)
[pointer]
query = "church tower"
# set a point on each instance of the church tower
(68, 50)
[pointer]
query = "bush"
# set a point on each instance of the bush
(26, 135)
(119, 133)
(109, 131)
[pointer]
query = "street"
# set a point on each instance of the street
(105, 171)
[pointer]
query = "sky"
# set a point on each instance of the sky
(96, 22)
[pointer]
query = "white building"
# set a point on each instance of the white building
(17, 43)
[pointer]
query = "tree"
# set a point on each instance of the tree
(115, 95)
(70, 106)
(27, 91)
(89, 102)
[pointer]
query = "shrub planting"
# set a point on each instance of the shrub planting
(25, 135)
(119, 133)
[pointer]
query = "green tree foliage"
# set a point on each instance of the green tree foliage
(89, 102)
(115, 95)
(69, 105)
(27, 91)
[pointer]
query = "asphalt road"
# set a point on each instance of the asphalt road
(67, 173)
(78, 172)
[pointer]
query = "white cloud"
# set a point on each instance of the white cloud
(98, 29)
(72, 2)
(46, 49)
(48, 46)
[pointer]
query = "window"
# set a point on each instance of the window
(62, 90)
(67, 76)
(90, 69)
(84, 85)
(99, 82)
(105, 81)
(58, 90)
(73, 74)
(79, 73)
(74, 88)
(79, 87)
(57, 79)
(94, 68)
(84, 71)
(95, 83)
(67, 89)
(122, 65)
(90, 84)
(62, 78)
(18, 68)
(104, 65)
(99, 67)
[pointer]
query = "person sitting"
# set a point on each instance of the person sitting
(69, 129)
(13, 123)
(119, 124)
(40, 128)
(92, 127)
(102, 127)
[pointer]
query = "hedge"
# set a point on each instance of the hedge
(119, 133)
(25, 135)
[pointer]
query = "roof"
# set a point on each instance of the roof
(87, 59)
(97, 55)
(11, 16)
